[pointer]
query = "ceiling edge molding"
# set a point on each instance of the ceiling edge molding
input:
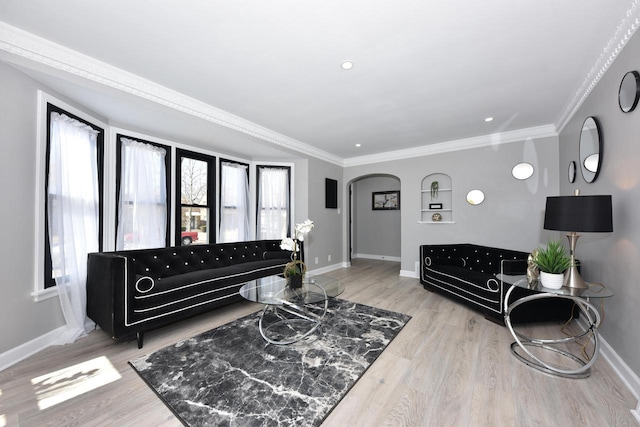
(618, 40)
(491, 140)
(28, 46)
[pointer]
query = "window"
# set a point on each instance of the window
(196, 187)
(73, 221)
(273, 216)
(234, 201)
(142, 185)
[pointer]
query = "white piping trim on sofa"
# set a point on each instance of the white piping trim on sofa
(126, 296)
(212, 291)
(207, 281)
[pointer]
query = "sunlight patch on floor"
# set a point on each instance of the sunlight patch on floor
(70, 382)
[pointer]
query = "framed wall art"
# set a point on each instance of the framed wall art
(385, 200)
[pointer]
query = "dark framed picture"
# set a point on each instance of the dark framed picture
(435, 205)
(385, 200)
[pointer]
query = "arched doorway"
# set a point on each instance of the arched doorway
(374, 228)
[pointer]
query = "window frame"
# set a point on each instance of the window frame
(118, 177)
(211, 193)
(44, 284)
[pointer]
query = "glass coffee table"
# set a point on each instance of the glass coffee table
(291, 314)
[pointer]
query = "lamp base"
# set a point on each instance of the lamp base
(572, 277)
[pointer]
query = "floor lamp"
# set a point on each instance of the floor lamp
(589, 214)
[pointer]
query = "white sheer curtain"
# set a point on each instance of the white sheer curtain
(234, 202)
(73, 216)
(273, 202)
(142, 205)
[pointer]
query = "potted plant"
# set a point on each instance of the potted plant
(295, 270)
(552, 262)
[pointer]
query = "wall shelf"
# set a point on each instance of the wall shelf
(444, 198)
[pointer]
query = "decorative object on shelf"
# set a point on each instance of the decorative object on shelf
(436, 217)
(572, 171)
(629, 91)
(552, 262)
(522, 171)
(435, 205)
(532, 269)
(475, 197)
(576, 213)
(385, 200)
(590, 149)
(295, 270)
(434, 190)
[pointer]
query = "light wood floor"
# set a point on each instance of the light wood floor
(448, 367)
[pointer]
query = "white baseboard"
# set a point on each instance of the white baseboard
(628, 377)
(15, 355)
(378, 257)
(409, 273)
(328, 268)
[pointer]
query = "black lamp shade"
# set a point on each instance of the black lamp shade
(579, 213)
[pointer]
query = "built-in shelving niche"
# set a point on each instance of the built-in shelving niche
(431, 199)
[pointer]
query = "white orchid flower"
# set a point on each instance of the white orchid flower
(303, 229)
(288, 244)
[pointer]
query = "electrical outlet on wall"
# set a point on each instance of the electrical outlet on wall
(329, 258)
(316, 260)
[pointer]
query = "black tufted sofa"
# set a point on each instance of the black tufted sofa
(131, 292)
(467, 273)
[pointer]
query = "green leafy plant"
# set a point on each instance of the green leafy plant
(553, 259)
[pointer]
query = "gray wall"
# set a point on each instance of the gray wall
(326, 237)
(511, 215)
(21, 319)
(375, 232)
(612, 258)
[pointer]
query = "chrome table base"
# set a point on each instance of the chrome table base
(520, 348)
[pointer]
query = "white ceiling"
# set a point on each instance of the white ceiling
(255, 78)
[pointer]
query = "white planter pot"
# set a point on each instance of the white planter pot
(551, 281)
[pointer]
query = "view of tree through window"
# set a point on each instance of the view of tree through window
(196, 184)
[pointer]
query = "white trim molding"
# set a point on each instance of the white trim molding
(618, 40)
(624, 372)
(17, 354)
(378, 257)
(461, 144)
(17, 45)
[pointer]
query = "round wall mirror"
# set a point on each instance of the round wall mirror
(590, 149)
(572, 171)
(475, 197)
(522, 171)
(629, 91)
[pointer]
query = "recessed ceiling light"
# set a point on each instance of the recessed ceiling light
(346, 65)
(358, 145)
(488, 119)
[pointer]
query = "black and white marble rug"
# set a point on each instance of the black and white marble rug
(230, 376)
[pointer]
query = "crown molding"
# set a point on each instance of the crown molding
(457, 145)
(618, 40)
(35, 49)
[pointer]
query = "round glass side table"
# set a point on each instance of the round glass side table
(523, 345)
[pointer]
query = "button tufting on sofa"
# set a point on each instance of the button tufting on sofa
(474, 282)
(186, 281)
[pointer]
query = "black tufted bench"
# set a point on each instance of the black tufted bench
(467, 273)
(131, 292)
